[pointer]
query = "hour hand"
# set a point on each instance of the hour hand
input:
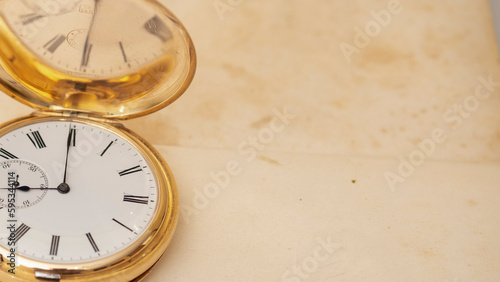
(27, 188)
(31, 18)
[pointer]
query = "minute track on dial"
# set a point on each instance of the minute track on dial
(75, 146)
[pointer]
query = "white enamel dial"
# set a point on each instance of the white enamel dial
(112, 195)
(89, 38)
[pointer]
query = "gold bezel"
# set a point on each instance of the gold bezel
(130, 264)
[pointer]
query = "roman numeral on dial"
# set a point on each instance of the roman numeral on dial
(136, 199)
(6, 154)
(123, 52)
(30, 18)
(123, 225)
(72, 137)
(107, 148)
(36, 139)
(157, 27)
(92, 242)
(54, 245)
(54, 43)
(20, 232)
(130, 170)
(86, 55)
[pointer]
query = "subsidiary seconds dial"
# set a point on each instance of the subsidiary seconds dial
(25, 182)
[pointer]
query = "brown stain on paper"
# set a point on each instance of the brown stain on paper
(261, 122)
(269, 160)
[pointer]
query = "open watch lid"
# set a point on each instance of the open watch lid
(114, 59)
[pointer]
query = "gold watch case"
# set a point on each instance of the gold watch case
(31, 80)
(60, 96)
(132, 263)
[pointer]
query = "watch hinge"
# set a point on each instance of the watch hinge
(60, 114)
(74, 114)
(47, 276)
(82, 115)
(69, 114)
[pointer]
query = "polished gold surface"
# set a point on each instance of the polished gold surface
(144, 86)
(133, 262)
(143, 60)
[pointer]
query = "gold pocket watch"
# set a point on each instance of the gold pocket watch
(82, 197)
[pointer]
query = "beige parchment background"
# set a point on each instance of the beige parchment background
(323, 176)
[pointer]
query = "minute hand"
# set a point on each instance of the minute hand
(64, 187)
(71, 139)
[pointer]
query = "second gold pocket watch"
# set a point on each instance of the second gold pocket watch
(82, 197)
